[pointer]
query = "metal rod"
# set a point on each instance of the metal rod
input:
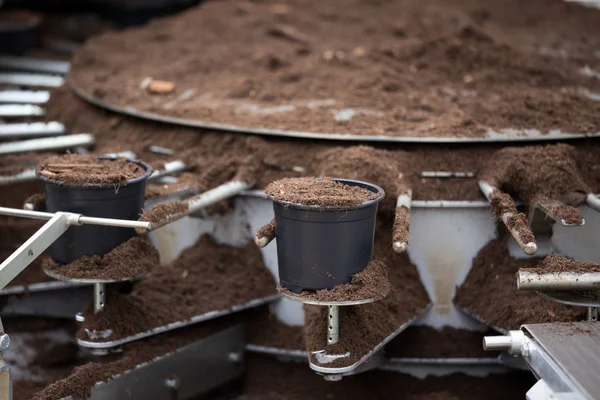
(35, 65)
(403, 201)
(592, 314)
(47, 144)
(528, 280)
(447, 174)
(206, 199)
(21, 79)
(25, 176)
(99, 297)
(497, 343)
(35, 129)
(20, 110)
(24, 96)
(333, 325)
(593, 201)
(161, 150)
(76, 219)
(170, 168)
(529, 248)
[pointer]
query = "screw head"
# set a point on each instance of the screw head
(234, 357)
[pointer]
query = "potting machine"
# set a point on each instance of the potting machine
(442, 267)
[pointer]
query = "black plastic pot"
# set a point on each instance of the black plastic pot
(94, 200)
(320, 247)
(17, 38)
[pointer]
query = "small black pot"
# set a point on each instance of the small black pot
(94, 200)
(320, 247)
(18, 38)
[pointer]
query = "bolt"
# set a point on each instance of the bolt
(332, 377)
(79, 317)
(4, 342)
(172, 382)
(234, 357)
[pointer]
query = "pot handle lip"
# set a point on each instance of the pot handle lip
(265, 234)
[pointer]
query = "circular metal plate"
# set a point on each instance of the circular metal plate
(589, 298)
(87, 280)
(506, 135)
(299, 298)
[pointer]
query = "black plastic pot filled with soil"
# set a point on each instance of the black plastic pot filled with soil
(118, 195)
(18, 31)
(321, 246)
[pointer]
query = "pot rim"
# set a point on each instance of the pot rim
(368, 203)
(84, 186)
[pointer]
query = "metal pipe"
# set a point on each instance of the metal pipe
(25, 176)
(447, 174)
(528, 280)
(35, 129)
(22, 79)
(24, 96)
(46, 144)
(170, 168)
(76, 219)
(20, 110)
(35, 65)
(99, 297)
(497, 343)
(529, 248)
(333, 325)
(593, 201)
(403, 201)
(592, 314)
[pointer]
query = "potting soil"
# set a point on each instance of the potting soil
(450, 68)
(324, 192)
(206, 277)
(131, 259)
(370, 283)
(364, 326)
(79, 169)
(164, 211)
(556, 263)
(490, 291)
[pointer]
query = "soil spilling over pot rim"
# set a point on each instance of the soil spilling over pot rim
(323, 191)
(537, 173)
(490, 291)
(556, 263)
(370, 283)
(293, 381)
(81, 380)
(420, 341)
(281, 157)
(81, 169)
(452, 68)
(206, 277)
(364, 326)
(133, 258)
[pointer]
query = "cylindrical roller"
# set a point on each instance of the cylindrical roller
(497, 343)
(528, 280)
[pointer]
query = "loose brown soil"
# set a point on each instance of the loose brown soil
(79, 383)
(264, 329)
(267, 231)
(280, 157)
(164, 212)
(370, 283)
(502, 203)
(451, 68)
(490, 291)
(206, 277)
(324, 192)
(132, 259)
(364, 326)
(292, 381)
(537, 173)
(401, 225)
(419, 341)
(78, 169)
(568, 214)
(556, 263)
